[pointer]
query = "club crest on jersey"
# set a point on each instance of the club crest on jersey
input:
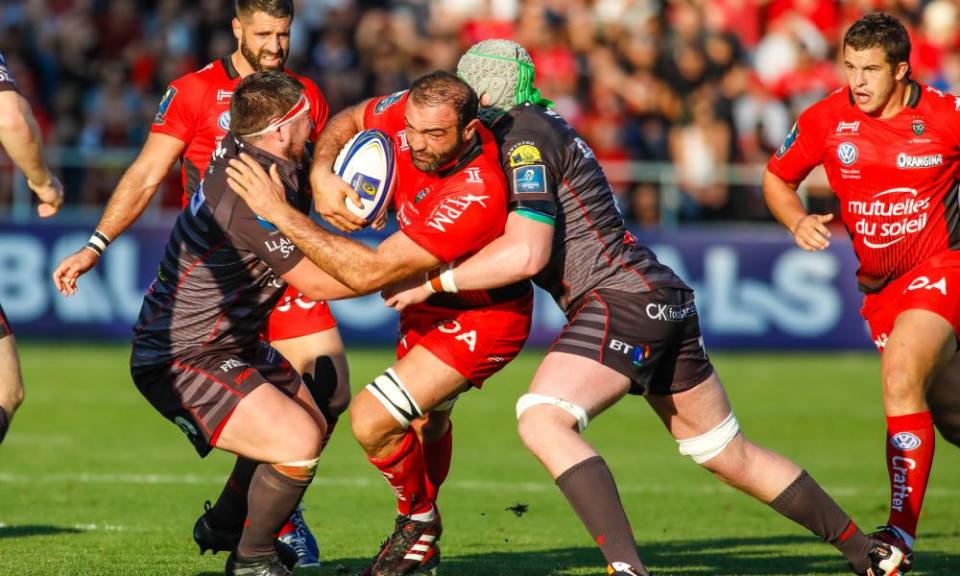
(168, 97)
(918, 127)
(789, 140)
(847, 153)
(524, 154)
(224, 121)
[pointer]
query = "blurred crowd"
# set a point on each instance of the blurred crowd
(696, 84)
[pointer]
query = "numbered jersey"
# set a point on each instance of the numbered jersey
(896, 178)
(555, 178)
(196, 110)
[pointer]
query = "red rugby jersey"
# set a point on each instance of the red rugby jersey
(455, 211)
(196, 110)
(896, 178)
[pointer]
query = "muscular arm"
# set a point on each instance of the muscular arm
(20, 137)
(329, 191)
(809, 230)
(362, 269)
(316, 284)
(131, 197)
(359, 267)
(139, 183)
(522, 251)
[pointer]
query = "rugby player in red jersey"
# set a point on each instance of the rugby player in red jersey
(451, 200)
(193, 117)
(891, 150)
(20, 138)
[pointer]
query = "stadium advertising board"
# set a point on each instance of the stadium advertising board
(755, 289)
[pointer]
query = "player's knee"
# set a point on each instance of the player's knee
(707, 446)
(551, 414)
(563, 412)
(900, 386)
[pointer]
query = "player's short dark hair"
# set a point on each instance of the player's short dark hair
(261, 97)
(445, 88)
(275, 8)
(880, 30)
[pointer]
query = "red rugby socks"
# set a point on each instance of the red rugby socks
(910, 443)
(437, 454)
(404, 470)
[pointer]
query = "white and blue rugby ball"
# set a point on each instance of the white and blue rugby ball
(367, 163)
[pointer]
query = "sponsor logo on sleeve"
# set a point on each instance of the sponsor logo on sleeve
(847, 153)
(789, 141)
(168, 97)
(524, 154)
(281, 244)
(473, 175)
(388, 101)
(530, 180)
(189, 429)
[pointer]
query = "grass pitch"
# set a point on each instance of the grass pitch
(94, 482)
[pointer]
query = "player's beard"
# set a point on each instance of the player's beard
(254, 59)
(426, 161)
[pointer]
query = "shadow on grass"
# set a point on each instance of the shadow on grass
(757, 556)
(35, 530)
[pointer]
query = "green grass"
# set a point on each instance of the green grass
(93, 481)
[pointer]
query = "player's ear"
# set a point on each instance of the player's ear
(471, 128)
(237, 29)
(901, 71)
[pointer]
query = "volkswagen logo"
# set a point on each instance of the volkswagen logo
(905, 441)
(847, 153)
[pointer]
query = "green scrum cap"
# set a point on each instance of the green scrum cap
(504, 71)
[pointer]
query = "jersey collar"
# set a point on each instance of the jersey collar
(229, 68)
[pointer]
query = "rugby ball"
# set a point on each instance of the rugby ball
(367, 163)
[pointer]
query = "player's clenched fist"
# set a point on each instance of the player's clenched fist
(71, 268)
(811, 232)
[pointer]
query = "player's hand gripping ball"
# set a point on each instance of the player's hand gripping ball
(367, 163)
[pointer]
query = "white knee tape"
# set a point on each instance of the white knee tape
(390, 391)
(710, 444)
(527, 401)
